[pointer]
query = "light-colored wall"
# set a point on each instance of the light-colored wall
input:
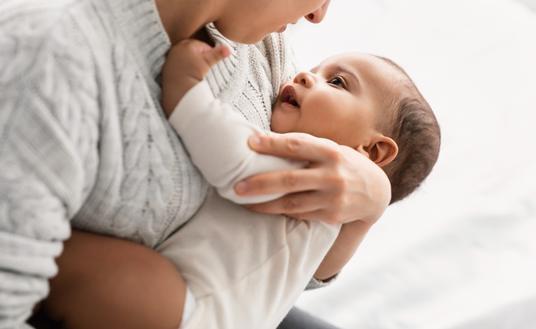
(530, 3)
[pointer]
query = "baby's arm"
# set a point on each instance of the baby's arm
(350, 237)
(214, 135)
(216, 138)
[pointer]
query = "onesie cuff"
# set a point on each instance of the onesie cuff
(314, 283)
(192, 104)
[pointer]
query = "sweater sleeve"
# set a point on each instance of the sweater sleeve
(216, 138)
(47, 134)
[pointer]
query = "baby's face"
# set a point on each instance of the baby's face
(338, 100)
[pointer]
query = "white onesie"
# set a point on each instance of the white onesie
(245, 269)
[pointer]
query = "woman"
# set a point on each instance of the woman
(85, 143)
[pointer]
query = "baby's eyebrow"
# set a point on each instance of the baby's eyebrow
(347, 70)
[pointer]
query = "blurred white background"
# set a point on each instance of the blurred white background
(460, 253)
(530, 3)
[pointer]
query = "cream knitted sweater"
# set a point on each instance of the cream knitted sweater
(84, 141)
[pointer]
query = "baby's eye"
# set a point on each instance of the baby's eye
(336, 81)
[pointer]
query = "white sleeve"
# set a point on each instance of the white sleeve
(216, 139)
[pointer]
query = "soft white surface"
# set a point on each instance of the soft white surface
(461, 253)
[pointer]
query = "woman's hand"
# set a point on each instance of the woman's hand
(340, 185)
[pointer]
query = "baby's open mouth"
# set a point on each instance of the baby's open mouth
(288, 95)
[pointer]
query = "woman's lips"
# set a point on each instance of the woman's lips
(282, 29)
(288, 97)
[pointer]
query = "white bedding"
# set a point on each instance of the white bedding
(461, 253)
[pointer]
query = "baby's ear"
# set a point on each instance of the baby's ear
(381, 151)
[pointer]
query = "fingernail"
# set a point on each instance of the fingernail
(241, 187)
(255, 140)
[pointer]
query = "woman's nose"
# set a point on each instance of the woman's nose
(318, 15)
(305, 79)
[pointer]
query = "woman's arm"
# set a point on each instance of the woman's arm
(106, 282)
(49, 127)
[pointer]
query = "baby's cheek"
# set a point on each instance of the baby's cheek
(281, 122)
(274, 123)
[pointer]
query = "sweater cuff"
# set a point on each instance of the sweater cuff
(199, 97)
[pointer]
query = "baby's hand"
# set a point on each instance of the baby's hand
(187, 63)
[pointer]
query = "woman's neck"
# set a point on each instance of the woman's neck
(183, 18)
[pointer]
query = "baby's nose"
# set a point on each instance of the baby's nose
(305, 79)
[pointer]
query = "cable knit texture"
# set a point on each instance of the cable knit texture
(83, 139)
(250, 78)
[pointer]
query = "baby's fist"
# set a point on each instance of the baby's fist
(187, 63)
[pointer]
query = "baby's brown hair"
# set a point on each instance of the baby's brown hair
(411, 123)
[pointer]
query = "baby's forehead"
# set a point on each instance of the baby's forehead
(353, 59)
(379, 77)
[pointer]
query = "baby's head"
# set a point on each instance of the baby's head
(369, 104)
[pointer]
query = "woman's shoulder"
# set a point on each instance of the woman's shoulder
(31, 29)
(38, 16)
(41, 44)
(46, 75)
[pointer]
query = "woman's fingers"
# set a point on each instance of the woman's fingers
(290, 204)
(295, 146)
(277, 182)
(320, 215)
(308, 206)
(329, 208)
(329, 174)
(350, 185)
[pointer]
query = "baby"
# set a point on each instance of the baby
(356, 100)
(361, 101)
(243, 269)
